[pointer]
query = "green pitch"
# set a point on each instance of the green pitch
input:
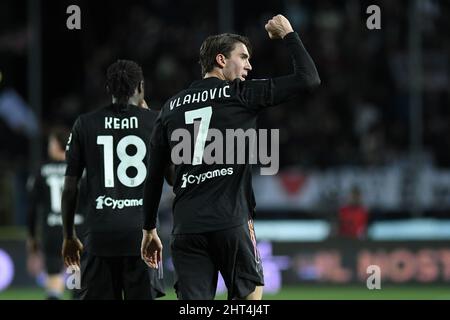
(295, 293)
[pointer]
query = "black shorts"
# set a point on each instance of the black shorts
(198, 258)
(53, 263)
(51, 249)
(118, 278)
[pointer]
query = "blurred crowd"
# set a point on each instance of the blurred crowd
(359, 116)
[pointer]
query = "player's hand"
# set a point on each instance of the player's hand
(278, 27)
(71, 251)
(151, 248)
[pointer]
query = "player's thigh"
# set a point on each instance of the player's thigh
(195, 273)
(139, 281)
(239, 260)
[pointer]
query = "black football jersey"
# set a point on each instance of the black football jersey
(213, 196)
(209, 196)
(111, 143)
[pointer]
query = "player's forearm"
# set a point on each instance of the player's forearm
(68, 206)
(153, 187)
(304, 66)
(305, 74)
(152, 197)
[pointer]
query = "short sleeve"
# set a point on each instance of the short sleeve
(74, 151)
(159, 136)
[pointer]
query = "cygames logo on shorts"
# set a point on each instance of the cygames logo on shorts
(197, 179)
(103, 201)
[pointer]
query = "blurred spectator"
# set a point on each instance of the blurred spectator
(16, 113)
(358, 117)
(353, 217)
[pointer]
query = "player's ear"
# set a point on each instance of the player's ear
(141, 86)
(220, 60)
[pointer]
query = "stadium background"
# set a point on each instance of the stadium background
(380, 122)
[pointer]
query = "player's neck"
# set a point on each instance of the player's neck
(215, 73)
(59, 157)
(133, 101)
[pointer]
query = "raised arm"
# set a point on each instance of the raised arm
(257, 94)
(305, 72)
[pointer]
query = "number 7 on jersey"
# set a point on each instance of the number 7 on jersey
(205, 117)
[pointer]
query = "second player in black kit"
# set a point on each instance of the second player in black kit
(111, 143)
(45, 212)
(214, 204)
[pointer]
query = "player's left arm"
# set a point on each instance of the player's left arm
(159, 160)
(151, 246)
(153, 187)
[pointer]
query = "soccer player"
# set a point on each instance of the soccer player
(45, 213)
(214, 203)
(110, 143)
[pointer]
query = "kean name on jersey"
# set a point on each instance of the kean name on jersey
(117, 123)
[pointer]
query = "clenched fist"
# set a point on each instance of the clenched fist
(278, 27)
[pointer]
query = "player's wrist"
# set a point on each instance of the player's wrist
(70, 235)
(287, 33)
(150, 231)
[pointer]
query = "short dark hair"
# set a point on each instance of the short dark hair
(122, 79)
(61, 134)
(221, 43)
